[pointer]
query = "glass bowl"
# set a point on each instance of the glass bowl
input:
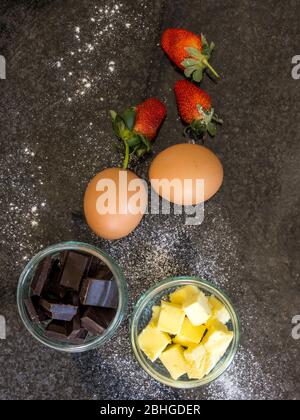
(24, 291)
(143, 313)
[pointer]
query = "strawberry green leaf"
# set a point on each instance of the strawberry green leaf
(200, 110)
(133, 151)
(113, 115)
(199, 126)
(141, 151)
(188, 72)
(197, 129)
(198, 75)
(134, 140)
(217, 119)
(206, 52)
(190, 62)
(206, 48)
(203, 39)
(119, 127)
(146, 143)
(194, 52)
(212, 129)
(129, 118)
(120, 122)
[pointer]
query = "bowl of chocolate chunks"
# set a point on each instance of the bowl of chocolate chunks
(72, 297)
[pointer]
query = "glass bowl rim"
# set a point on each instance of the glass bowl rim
(146, 364)
(92, 250)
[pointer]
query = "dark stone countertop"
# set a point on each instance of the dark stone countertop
(68, 63)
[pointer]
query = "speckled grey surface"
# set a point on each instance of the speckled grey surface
(68, 63)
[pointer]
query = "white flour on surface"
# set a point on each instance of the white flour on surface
(244, 380)
(76, 68)
(24, 208)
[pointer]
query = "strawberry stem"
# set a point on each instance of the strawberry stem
(126, 158)
(210, 68)
(217, 119)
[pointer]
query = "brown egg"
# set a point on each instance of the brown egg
(186, 162)
(115, 202)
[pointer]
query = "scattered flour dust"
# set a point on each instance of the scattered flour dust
(24, 209)
(244, 380)
(76, 67)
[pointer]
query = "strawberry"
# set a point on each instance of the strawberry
(138, 126)
(149, 116)
(195, 108)
(190, 52)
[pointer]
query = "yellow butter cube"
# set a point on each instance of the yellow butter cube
(195, 355)
(211, 361)
(170, 318)
(216, 342)
(217, 338)
(219, 311)
(155, 315)
(197, 308)
(153, 342)
(180, 295)
(189, 333)
(174, 361)
(197, 372)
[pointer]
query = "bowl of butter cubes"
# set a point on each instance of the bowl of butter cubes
(185, 332)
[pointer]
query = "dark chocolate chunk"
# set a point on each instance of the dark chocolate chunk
(99, 270)
(71, 298)
(67, 331)
(59, 311)
(59, 330)
(31, 310)
(101, 293)
(75, 326)
(54, 290)
(96, 320)
(41, 276)
(62, 258)
(78, 338)
(75, 267)
(104, 273)
(36, 314)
